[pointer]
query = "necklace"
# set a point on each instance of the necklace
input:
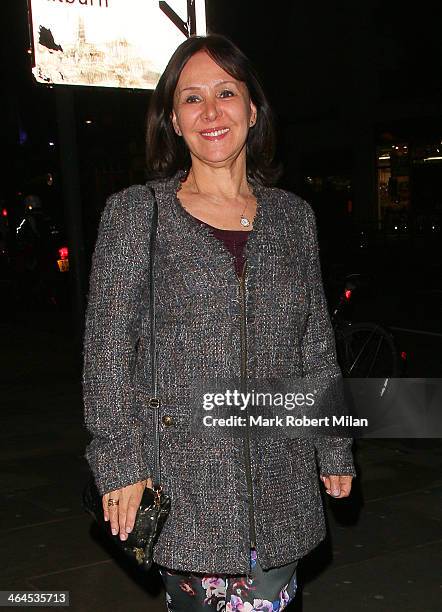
(245, 222)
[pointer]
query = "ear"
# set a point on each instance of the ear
(174, 120)
(253, 114)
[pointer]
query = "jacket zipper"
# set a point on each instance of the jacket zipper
(244, 390)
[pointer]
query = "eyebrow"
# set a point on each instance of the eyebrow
(199, 86)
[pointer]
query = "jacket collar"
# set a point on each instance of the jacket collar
(199, 234)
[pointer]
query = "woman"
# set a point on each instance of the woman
(239, 296)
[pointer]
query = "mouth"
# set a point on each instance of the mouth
(215, 133)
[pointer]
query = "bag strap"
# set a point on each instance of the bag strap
(154, 401)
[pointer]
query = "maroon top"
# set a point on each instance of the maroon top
(234, 241)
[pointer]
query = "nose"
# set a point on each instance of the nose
(211, 108)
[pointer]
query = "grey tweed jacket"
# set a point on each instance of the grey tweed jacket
(224, 494)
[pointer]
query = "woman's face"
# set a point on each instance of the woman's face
(212, 111)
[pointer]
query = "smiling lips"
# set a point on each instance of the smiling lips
(215, 134)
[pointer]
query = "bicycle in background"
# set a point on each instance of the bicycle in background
(364, 350)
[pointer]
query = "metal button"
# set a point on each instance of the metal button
(167, 420)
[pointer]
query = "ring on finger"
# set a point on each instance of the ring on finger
(113, 502)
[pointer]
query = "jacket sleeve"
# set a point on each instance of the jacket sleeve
(334, 454)
(118, 277)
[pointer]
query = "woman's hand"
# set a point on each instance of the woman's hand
(337, 486)
(122, 512)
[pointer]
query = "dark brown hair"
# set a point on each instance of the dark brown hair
(166, 152)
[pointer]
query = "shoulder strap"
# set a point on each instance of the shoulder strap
(154, 401)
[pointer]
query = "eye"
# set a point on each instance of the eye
(226, 93)
(192, 98)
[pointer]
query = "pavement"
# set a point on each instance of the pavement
(383, 552)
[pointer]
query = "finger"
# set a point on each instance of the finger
(113, 519)
(132, 508)
(134, 503)
(346, 482)
(104, 501)
(326, 481)
(122, 513)
(113, 512)
(335, 486)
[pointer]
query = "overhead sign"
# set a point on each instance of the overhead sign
(109, 43)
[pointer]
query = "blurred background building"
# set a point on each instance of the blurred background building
(357, 93)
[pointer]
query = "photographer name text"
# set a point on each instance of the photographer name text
(286, 421)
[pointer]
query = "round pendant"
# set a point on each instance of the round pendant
(245, 222)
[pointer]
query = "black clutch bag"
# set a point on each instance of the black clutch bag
(151, 516)
(155, 503)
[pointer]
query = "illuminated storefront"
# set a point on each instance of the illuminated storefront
(409, 187)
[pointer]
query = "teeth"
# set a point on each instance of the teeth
(217, 133)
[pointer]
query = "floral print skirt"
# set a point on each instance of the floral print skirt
(264, 590)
